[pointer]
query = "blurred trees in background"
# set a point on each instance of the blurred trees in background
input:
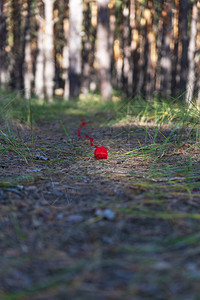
(68, 47)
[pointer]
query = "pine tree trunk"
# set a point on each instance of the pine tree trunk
(142, 58)
(126, 68)
(16, 73)
(27, 60)
(149, 70)
(93, 59)
(86, 48)
(134, 46)
(112, 23)
(184, 42)
(39, 69)
(197, 56)
(3, 38)
(103, 54)
(191, 55)
(75, 43)
(49, 71)
(175, 81)
(159, 51)
(59, 42)
(66, 52)
(166, 52)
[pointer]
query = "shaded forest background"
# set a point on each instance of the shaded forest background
(70, 47)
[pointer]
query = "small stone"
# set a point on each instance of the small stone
(106, 213)
(75, 218)
(109, 214)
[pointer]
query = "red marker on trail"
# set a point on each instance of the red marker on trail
(100, 152)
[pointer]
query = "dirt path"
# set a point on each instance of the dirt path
(72, 227)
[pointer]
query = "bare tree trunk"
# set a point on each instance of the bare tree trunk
(49, 71)
(149, 70)
(103, 54)
(39, 72)
(66, 53)
(112, 23)
(166, 52)
(175, 80)
(3, 38)
(159, 51)
(86, 48)
(16, 73)
(126, 68)
(184, 42)
(75, 15)
(191, 55)
(118, 64)
(93, 59)
(27, 60)
(134, 46)
(197, 57)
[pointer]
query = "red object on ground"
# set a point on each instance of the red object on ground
(101, 153)
(82, 124)
(91, 140)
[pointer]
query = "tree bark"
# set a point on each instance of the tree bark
(75, 42)
(149, 70)
(184, 43)
(27, 60)
(16, 73)
(66, 52)
(39, 72)
(191, 55)
(3, 41)
(166, 66)
(175, 80)
(126, 67)
(112, 24)
(49, 71)
(103, 54)
(134, 46)
(87, 47)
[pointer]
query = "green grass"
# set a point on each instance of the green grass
(158, 111)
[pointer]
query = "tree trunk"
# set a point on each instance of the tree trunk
(59, 43)
(16, 73)
(49, 71)
(197, 56)
(3, 41)
(112, 23)
(66, 53)
(103, 54)
(39, 72)
(159, 51)
(184, 43)
(175, 80)
(191, 55)
(149, 70)
(126, 68)
(134, 46)
(75, 15)
(86, 48)
(93, 59)
(27, 60)
(166, 52)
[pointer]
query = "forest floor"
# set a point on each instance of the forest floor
(73, 227)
